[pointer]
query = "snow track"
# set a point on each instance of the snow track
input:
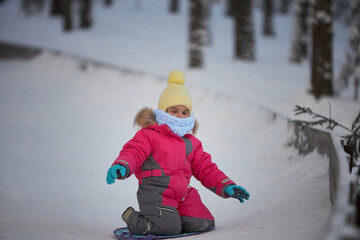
(62, 125)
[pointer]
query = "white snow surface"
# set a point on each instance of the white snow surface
(62, 126)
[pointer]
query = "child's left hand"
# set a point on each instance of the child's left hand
(237, 192)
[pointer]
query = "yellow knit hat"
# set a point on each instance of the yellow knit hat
(175, 93)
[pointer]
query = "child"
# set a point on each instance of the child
(164, 156)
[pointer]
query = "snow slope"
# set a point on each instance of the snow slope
(62, 126)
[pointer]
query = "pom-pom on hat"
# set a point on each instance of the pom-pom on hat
(175, 93)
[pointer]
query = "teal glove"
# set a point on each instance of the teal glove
(237, 192)
(114, 172)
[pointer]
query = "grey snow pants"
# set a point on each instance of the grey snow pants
(155, 218)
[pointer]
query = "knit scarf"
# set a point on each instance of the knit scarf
(179, 126)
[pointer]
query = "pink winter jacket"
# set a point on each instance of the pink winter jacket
(155, 151)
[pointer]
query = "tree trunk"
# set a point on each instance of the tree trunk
(355, 43)
(196, 33)
(207, 38)
(321, 70)
(268, 23)
(299, 48)
(230, 8)
(174, 6)
(244, 30)
(348, 74)
(56, 8)
(356, 90)
(85, 13)
(67, 16)
(108, 3)
(285, 6)
(32, 7)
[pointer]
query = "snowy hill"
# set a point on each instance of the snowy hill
(64, 120)
(62, 127)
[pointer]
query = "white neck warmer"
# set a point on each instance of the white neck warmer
(179, 126)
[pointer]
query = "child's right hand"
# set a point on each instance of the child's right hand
(114, 172)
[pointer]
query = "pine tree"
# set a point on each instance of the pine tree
(108, 3)
(299, 48)
(174, 6)
(56, 8)
(196, 15)
(230, 7)
(31, 7)
(321, 66)
(352, 140)
(63, 9)
(244, 30)
(355, 44)
(67, 15)
(85, 13)
(341, 11)
(348, 75)
(207, 37)
(268, 18)
(285, 6)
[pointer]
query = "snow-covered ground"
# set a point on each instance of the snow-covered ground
(62, 126)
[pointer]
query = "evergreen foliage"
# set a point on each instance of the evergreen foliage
(352, 140)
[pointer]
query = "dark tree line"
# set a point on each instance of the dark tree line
(317, 33)
(320, 36)
(311, 41)
(64, 9)
(313, 29)
(32, 7)
(67, 10)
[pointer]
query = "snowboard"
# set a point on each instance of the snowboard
(124, 234)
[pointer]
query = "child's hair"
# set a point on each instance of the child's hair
(175, 93)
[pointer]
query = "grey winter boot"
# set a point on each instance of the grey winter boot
(125, 216)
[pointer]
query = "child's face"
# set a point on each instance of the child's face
(178, 111)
